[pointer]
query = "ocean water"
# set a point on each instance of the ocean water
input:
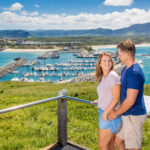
(8, 57)
(145, 59)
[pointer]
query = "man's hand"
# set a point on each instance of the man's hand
(112, 115)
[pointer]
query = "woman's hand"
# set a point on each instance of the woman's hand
(104, 116)
(94, 102)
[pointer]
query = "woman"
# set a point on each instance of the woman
(108, 99)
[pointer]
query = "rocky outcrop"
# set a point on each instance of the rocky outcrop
(91, 76)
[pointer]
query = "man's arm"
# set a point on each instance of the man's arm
(127, 104)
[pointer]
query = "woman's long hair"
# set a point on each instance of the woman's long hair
(99, 71)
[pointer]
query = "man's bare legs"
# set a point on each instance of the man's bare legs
(119, 143)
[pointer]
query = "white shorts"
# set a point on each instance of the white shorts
(131, 131)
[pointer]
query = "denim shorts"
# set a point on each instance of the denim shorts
(113, 125)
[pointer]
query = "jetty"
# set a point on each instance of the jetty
(11, 67)
(69, 51)
(46, 55)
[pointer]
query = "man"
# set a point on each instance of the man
(132, 107)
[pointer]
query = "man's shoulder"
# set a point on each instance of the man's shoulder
(136, 70)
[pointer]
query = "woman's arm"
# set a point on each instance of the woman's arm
(116, 97)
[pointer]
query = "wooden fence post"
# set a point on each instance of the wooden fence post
(62, 118)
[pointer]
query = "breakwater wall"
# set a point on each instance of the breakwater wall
(9, 68)
(1, 49)
(45, 55)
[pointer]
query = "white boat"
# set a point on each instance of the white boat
(26, 74)
(35, 74)
(96, 53)
(42, 79)
(52, 68)
(15, 72)
(15, 79)
(60, 74)
(138, 61)
(49, 65)
(30, 80)
(53, 74)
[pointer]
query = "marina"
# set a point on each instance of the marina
(66, 66)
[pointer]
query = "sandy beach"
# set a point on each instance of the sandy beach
(94, 47)
(144, 44)
(28, 50)
(104, 46)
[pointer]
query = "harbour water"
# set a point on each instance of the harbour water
(65, 67)
(72, 66)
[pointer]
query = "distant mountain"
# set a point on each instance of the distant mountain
(137, 29)
(134, 30)
(14, 33)
(57, 33)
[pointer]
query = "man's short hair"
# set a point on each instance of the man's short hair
(127, 46)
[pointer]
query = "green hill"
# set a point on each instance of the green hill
(36, 127)
(134, 30)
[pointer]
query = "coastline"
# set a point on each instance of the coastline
(45, 50)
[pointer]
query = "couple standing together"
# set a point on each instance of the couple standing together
(121, 107)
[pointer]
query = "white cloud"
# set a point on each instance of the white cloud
(24, 13)
(35, 13)
(36, 5)
(16, 6)
(118, 2)
(34, 20)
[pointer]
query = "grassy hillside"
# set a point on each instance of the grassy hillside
(36, 127)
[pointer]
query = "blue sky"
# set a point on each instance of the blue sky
(72, 14)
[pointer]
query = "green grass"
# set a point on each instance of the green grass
(36, 127)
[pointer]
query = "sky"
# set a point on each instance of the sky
(72, 14)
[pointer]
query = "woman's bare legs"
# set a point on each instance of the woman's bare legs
(106, 139)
